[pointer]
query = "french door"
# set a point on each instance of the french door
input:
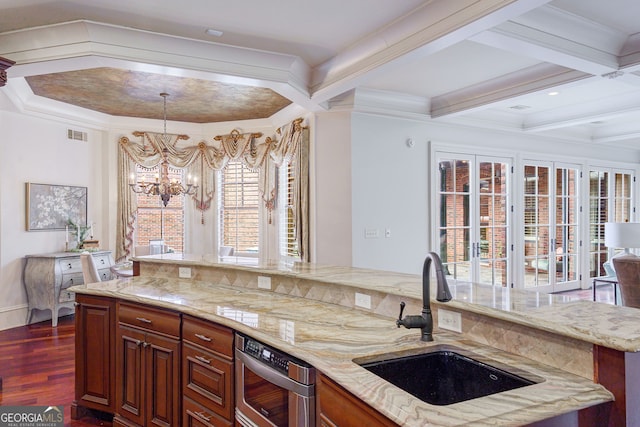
(551, 236)
(473, 209)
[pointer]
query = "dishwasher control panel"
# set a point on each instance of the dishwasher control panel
(269, 355)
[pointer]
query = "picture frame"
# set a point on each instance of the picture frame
(50, 207)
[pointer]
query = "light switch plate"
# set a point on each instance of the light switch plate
(184, 272)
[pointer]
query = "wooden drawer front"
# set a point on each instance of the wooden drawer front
(195, 415)
(71, 280)
(208, 380)
(70, 265)
(208, 335)
(102, 261)
(156, 320)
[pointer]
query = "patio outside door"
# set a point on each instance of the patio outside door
(551, 227)
(473, 218)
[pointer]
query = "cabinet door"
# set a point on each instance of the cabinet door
(162, 370)
(130, 386)
(337, 407)
(95, 354)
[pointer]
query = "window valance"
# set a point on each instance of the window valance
(203, 159)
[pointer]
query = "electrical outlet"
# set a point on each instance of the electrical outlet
(371, 233)
(264, 282)
(363, 300)
(184, 272)
(449, 320)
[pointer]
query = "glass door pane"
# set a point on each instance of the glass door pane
(537, 205)
(493, 222)
(454, 227)
(598, 215)
(566, 220)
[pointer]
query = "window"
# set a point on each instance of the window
(288, 246)
(239, 209)
(154, 220)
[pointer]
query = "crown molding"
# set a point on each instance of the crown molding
(76, 44)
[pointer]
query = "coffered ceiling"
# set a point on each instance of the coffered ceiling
(487, 63)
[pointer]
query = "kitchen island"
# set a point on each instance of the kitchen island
(310, 312)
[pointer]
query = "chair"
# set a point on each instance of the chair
(628, 273)
(89, 268)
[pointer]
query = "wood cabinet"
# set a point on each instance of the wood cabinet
(95, 355)
(46, 279)
(207, 374)
(336, 407)
(148, 366)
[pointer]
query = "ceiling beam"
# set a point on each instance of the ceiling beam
(484, 95)
(429, 29)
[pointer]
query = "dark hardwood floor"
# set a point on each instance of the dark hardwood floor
(37, 367)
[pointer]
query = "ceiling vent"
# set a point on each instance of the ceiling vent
(76, 135)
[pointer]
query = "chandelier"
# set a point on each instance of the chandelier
(163, 186)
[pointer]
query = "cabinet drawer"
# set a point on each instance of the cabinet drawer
(156, 320)
(70, 265)
(102, 261)
(71, 280)
(208, 380)
(66, 296)
(208, 335)
(195, 415)
(105, 274)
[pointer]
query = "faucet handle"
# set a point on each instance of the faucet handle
(399, 322)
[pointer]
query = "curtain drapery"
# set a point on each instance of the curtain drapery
(202, 160)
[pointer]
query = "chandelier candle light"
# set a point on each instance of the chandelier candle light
(162, 186)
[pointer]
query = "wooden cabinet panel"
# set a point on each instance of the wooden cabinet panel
(162, 369)
(337, 407)
(130, 381)
(148, 366)
(208, 380)
(151, 319)
(207, 372)
(95, 369)
(195, 415)
(208, 335)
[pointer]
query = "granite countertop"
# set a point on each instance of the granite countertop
(602, 324)
(330, 337)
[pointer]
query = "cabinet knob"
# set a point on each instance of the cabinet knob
(69, 266)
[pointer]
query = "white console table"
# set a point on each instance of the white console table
(47, 276)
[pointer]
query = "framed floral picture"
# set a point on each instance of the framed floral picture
(51, 207)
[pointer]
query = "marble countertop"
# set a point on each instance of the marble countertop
(603, 324)
(330, 337)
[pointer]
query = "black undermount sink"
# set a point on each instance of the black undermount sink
(445, 376)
